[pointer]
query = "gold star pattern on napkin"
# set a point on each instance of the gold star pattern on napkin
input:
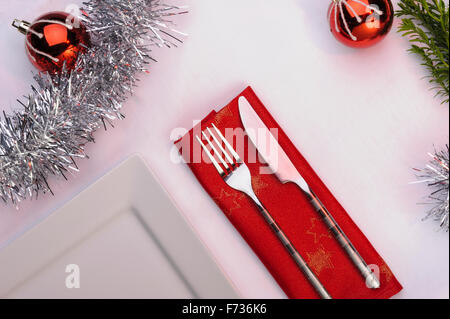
(258, 184)
(317, 234)
(223, 116)
(320, 260)
(230, 197)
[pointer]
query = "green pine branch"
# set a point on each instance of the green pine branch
(426, 24)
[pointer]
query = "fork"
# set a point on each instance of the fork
(236, 174)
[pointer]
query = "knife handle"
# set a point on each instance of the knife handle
(371, 279)
(293, 252)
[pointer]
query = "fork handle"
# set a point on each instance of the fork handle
(294, 253)
(371, 279)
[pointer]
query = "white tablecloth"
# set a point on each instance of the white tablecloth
(362, 118)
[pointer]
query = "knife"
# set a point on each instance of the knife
(283, 168)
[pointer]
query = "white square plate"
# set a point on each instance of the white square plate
(128, 240)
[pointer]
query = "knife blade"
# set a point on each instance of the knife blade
(273, 154)
(268, 147)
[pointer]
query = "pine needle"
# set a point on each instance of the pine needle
(426, 24)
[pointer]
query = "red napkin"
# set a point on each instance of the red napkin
(292, 211)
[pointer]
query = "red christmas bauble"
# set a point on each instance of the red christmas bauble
(360, 23)
(53, 39)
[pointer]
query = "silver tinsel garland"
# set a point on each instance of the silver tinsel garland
(436, 175)
(58, 118)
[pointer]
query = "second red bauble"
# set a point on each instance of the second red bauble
(360, 23)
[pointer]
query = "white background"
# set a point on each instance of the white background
(362, 118)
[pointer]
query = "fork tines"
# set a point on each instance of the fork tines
(227, 161)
